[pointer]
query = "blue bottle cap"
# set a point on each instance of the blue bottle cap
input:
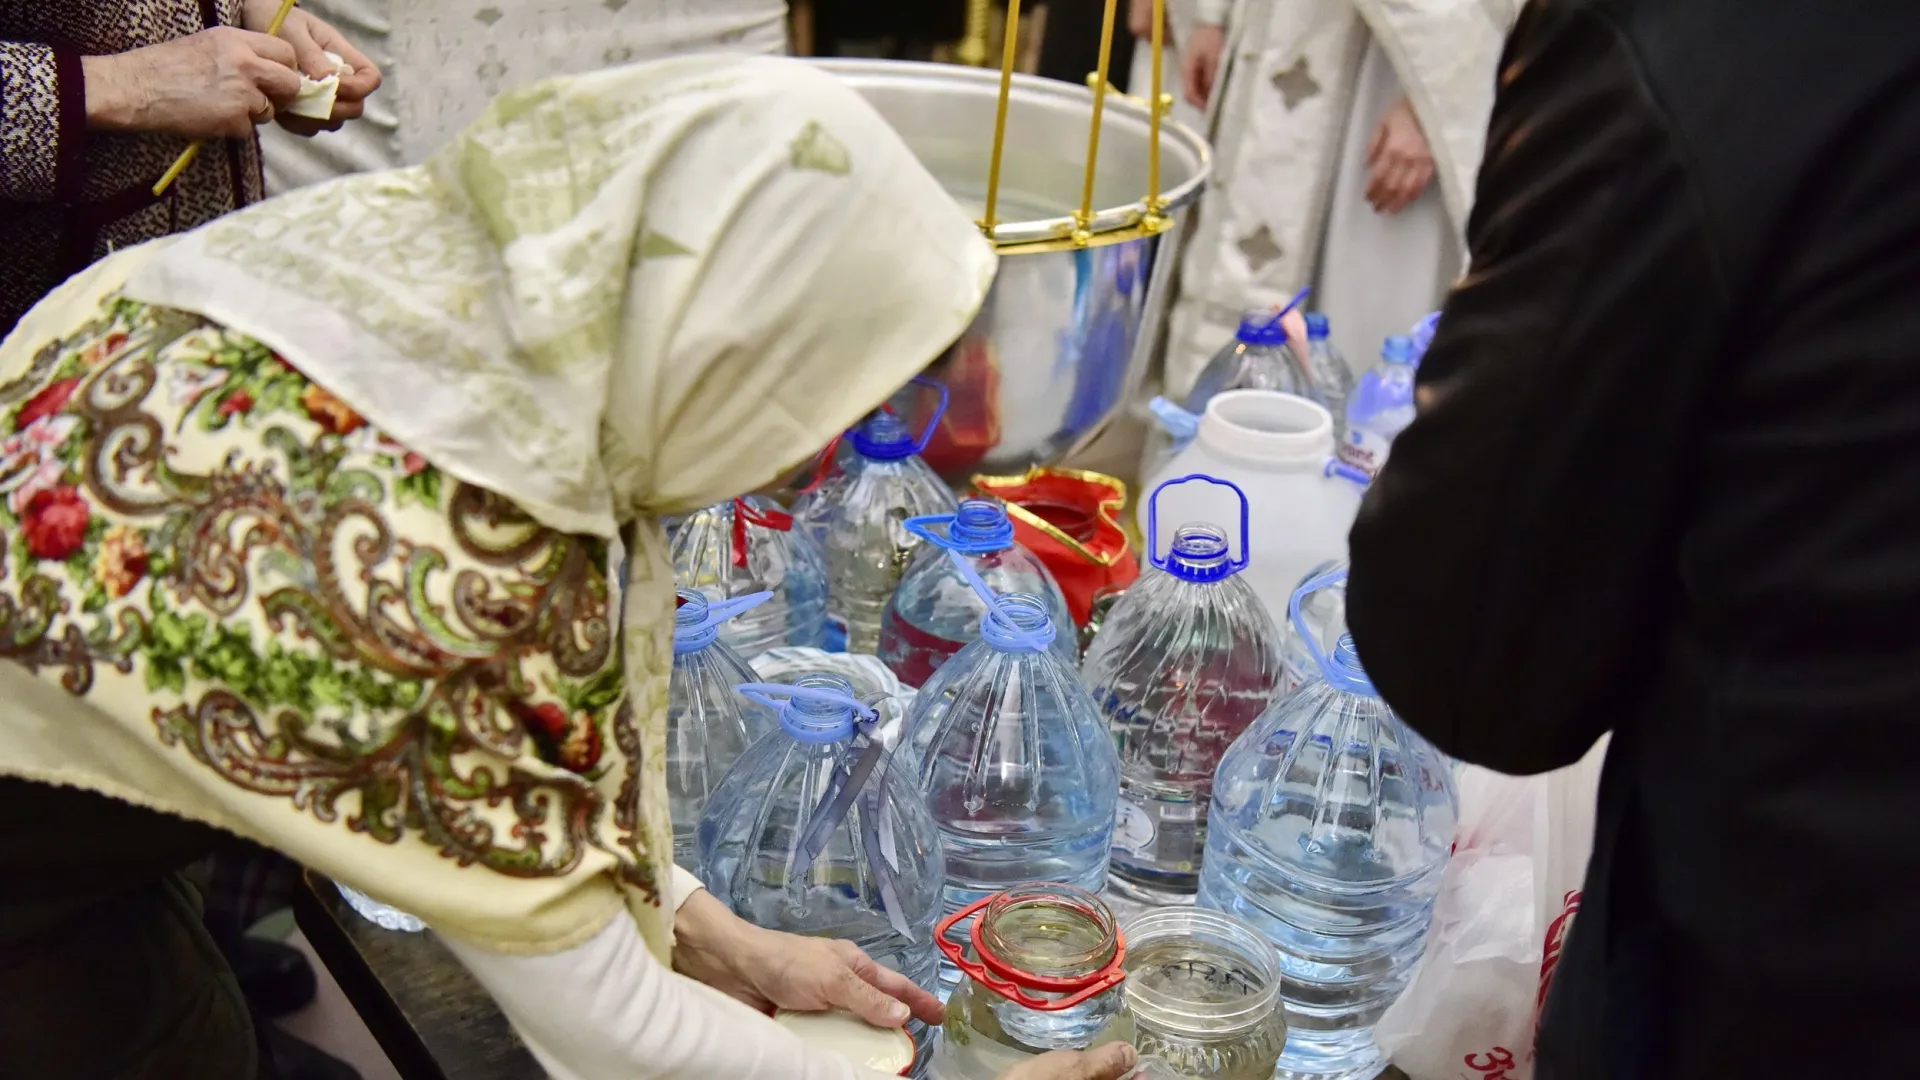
(1200, 553)
(1317, 329)
(1398, 349)
(1261, 328)
(816, 708)
(1343, 669)
(882, 436)
(981, 526)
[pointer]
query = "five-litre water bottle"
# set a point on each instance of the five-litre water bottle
(1332, 824)
(749, 545)
(1258, 358)
(1332, 379)
(934, 610)
(1185, 661)
(817, 831)
(708, 725)
(858, 516)
(1013, 760)
(1380, 408)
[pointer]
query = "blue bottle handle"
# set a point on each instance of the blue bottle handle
(1153, 519)
(776, 695)
(1336, 467)
(933, 422)
(998, 627)
(1274, 320)
(1338, 675)
(699, 635)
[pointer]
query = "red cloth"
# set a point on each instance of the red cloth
(1071, 520)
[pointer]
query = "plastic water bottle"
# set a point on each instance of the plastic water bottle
(858, 517)
(1013, 760)
(816, 831)
(749, 545)
(934, 610)
(1332, 823)
(1381, 407)
(1257, 358)
(1332, 379)
(1185, 661)
(708, 725)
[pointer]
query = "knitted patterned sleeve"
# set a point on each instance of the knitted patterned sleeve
(43, 120)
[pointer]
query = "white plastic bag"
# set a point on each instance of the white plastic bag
(1503, 910)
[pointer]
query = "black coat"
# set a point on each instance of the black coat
(1665, 481)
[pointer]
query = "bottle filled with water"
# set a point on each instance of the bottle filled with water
(1332, 824)
(1380, 408)
(749, 545)
(935, 612)
(858, 516)
(1332, 379)
(1011, 756)
(1185, 661)
(815, 831)
(708, 725)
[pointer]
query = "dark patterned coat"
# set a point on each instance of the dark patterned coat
(67, 195)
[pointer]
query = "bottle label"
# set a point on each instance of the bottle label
(1168, 835)
(1364, 450)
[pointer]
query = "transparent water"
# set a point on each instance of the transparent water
(856, 517)
(1330, 828)
(1017, 769)
(708, 728)
(1178, 670)
(934, 613)
(787, 563)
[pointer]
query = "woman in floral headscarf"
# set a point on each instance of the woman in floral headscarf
(308, 524)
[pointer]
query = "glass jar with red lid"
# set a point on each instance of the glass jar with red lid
(1044, 967)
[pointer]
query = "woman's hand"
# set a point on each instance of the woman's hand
(216, 84)
(312, 39)
(768, 970)
(1111, 1062)
(1200, 62)
(1399, 161)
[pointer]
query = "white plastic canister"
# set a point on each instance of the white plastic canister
(1276, 447)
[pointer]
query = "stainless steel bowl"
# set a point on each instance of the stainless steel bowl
(1065, 336)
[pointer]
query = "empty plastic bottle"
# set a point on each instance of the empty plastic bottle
(749, 545)
(1380, 408)
(858, 517)
(935, 612)
(1332, 379)
(816, 831)
(1257, 358)
(708, 725)
(1013, 760)
(1332, 823)
(1187, 658)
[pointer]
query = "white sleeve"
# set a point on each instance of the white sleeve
(607, 1010)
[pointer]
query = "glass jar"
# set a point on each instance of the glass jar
(1044, 969)
(1204, 991)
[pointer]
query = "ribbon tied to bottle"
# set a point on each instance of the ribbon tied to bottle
(745, 514)
(847, 785)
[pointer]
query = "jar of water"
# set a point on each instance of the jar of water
(1044, 966)
(1204, 991)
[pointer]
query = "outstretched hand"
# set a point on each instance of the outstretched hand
(1111, 1062)
(768, 969)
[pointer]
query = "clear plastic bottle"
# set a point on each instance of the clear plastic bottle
(1332, 379)
(1380, 408)
(858, 517)
(384, 916)
(749, 545)
(1184, 662)
(1257, 358)
(815, 831)
(934, 610)
(1204, 990)
(1014, 763)
(708, 725)
(1043, 967)
(1331, 827)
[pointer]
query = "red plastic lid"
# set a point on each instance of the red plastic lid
(989, 966)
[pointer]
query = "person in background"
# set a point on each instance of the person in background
(445, 59)
(98, 99)
(1347, 134)
(321, 511)
(1665, 482)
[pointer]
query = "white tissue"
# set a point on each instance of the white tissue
(315, 99)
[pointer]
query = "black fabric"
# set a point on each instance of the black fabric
(1665, 481)
(1070, 49)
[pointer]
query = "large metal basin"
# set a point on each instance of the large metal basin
(1064, 337)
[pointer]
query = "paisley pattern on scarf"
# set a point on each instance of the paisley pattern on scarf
(308, 608)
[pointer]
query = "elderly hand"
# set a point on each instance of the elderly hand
(768, 970)
(1111, 1062)
(1200, 62)
(312, 39)
(1399, 161)
(215, 84)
